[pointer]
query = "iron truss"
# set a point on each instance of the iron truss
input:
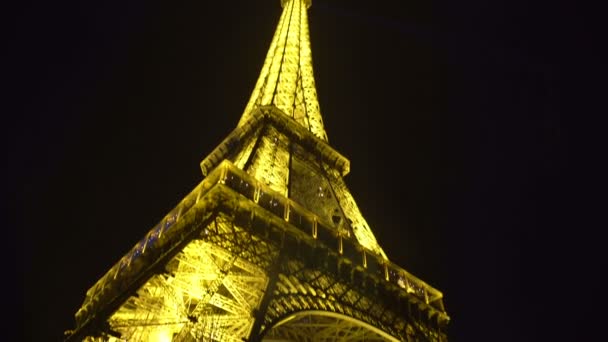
(271, 245)
(224, 267)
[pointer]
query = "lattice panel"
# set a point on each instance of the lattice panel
(360, 228)
(302, 287)
(209, 291)
(243, 154)
(310, 188)
(270, 160)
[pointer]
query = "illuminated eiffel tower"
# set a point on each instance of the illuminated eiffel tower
(271, 245)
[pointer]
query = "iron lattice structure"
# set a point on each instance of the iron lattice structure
(270, 245)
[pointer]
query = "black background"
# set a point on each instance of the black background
(458, 118)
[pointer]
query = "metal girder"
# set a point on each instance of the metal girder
(322, 326)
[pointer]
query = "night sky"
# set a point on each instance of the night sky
(457, 117)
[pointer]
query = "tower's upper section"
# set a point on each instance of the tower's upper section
(306, 2)
(287, 79)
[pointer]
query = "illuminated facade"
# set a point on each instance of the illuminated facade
(271, 245)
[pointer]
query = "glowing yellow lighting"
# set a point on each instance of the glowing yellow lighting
(287, 79)
(271, 241)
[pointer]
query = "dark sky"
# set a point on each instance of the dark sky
(456, 117)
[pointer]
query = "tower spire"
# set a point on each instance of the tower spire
(287, 80)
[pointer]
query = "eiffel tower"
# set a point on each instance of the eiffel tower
(271, 245)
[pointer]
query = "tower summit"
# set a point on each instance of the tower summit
(287, 81)
(271, 245)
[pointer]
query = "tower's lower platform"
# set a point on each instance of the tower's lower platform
(235, 261)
